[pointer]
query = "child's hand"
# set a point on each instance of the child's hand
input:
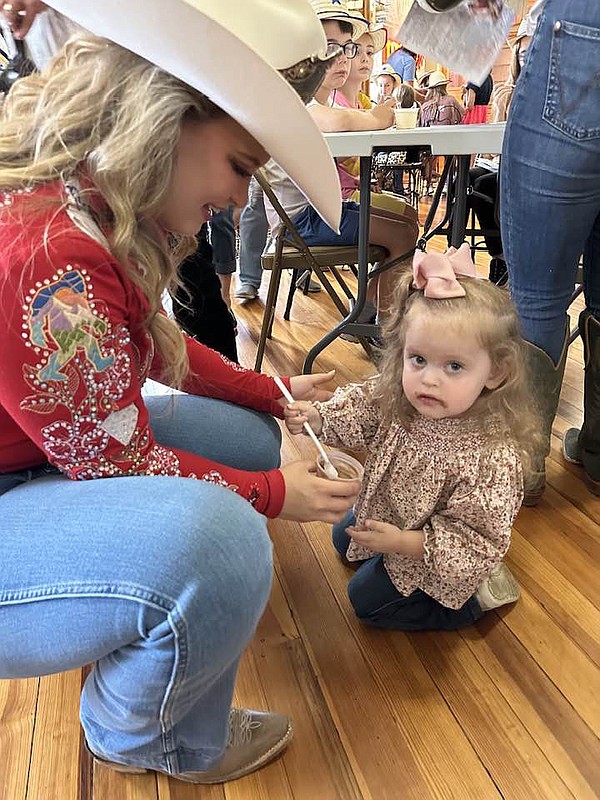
(382, 537)
(296, 414)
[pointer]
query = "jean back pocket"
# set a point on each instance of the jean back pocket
(573, 91)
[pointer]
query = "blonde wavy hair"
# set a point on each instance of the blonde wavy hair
(100, 110)
(487, 312)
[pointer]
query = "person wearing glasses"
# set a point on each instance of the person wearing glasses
(396, 231)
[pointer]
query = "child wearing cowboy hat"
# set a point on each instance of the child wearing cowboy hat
(388, 82)
(439, 108)
(155, 564)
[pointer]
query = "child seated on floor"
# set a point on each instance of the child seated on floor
(451, 435)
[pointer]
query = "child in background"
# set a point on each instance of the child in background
(449, 432)
(388, 82)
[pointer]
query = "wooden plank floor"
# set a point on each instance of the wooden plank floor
(508, 709)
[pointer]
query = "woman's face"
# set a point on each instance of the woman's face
(361, 66)
(214, 161)
(337, 74)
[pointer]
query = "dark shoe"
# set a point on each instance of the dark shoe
(313, 286)
(234, 321)
(570, 446)
(498, 272)
(255, 738)
(589, 437)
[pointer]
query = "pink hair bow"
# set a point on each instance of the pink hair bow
(436, 273)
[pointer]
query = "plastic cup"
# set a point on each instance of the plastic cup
(406, 117)
(348, 468)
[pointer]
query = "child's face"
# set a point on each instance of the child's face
(337, 74)
(444, 371)
(361, 66)
(386, 85)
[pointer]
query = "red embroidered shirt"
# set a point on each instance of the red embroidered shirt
(76, 352)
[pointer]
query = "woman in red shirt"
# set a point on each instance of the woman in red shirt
(136, 535)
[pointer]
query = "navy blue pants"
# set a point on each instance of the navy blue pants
(377, 602)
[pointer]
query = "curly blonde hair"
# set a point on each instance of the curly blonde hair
(488, 313)
(102, 111)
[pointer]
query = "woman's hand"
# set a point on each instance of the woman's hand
(296, 414)
(381, 537)
(309, 498)
(307, 387)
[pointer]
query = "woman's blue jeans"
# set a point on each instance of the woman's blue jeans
(158, 581)
(550, 172)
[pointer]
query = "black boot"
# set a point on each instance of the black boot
(583, 446)
(546, 380)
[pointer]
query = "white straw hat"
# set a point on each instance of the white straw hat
(233, 53)
(337, 10)
(379, 37)
(387, 69)
(437, 78)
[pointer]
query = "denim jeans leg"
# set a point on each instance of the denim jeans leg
(378, 602)
(222, 239)
(160, 581)
(253, 236)
(550, 171)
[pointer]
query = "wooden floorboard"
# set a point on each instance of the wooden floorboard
(508, 709)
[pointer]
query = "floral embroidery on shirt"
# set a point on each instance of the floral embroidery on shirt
(215, 477)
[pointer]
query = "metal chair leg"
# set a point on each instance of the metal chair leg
(269, 312)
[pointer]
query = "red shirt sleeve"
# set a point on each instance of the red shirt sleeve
(75, 355)
(214, 375)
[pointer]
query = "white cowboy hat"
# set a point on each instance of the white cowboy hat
(234, 54)
(437, 78)
(337, 10)
(387, 69)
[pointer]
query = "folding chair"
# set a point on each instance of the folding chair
(289, 251)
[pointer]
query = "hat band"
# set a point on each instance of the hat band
(307, 75)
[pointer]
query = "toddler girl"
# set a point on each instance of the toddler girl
(450, 433)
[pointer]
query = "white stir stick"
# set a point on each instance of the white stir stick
(328, 467)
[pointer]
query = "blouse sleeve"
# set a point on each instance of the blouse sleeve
(75, 355)
(350, 417)
(471, 534)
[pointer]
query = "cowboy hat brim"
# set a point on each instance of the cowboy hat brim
(233, 56)
(379, 37)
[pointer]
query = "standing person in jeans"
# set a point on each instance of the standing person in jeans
(222, 240)
(155, 563)
(550, 211)
(254, 229)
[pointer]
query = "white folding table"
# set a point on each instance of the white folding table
(459, 141)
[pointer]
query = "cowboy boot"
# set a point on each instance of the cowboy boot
(583, 446)
(546, 380)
